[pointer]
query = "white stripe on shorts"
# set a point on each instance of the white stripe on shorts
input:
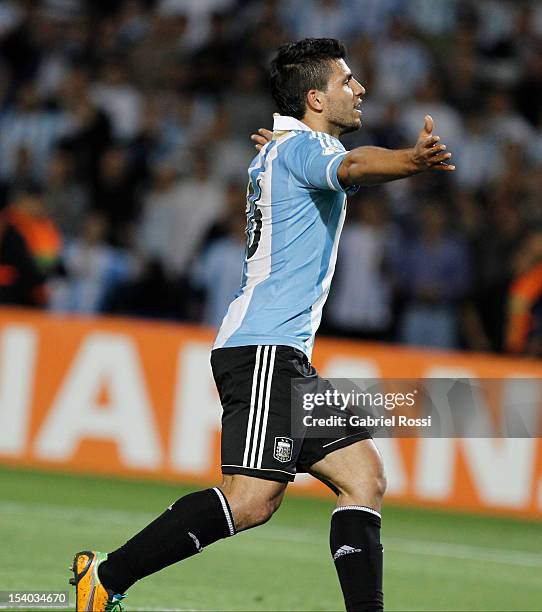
(261, 392)
(259, 406)
(266, 408)
(252, 403)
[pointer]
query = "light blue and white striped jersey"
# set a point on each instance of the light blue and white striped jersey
(295, 213)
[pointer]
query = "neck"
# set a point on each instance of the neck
(319, 124)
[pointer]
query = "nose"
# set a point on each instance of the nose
(359, 90)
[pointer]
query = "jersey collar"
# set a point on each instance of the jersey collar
(283, 123)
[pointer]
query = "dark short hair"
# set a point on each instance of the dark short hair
(299, 67)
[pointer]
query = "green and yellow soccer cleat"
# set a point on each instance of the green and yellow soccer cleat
(90, 594)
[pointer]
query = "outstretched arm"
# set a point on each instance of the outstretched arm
(373, 165)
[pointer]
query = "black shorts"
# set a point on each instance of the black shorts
(254, 384)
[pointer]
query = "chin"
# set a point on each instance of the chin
(351, 127)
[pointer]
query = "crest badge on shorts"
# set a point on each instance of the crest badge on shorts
(283, 449)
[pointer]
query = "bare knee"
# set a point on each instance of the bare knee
(252, 501)
(379, 482)
(365, 487)
(356, 473)
(259, 511)
(374, 477)
(252, 509)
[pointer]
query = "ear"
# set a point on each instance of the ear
(315, 99)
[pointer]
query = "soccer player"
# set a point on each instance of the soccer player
(296, 204)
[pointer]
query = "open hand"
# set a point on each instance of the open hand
(428, 154)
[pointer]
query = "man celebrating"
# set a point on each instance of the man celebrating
(296, 204)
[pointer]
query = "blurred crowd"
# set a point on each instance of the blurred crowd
(124, 144)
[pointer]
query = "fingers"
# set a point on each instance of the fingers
(430, 141)
(430, 154)
(443, 167)
(441, 157)
(436, 155)
(436, 150)
(259, 139)
(438, 158)
(262, 137)
(428, 125)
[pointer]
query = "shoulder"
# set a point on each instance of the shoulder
(309, 146)
(318, 141)
(329, 144)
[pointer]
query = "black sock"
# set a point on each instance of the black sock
(355, 546)
(184, 529)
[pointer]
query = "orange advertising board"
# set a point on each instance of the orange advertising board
(127, 397)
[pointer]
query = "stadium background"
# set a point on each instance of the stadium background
(124, 142)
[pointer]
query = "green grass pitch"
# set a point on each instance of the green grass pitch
(433, 560)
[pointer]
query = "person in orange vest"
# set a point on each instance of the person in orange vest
(524, 325)
(28, 231)
(21, 281)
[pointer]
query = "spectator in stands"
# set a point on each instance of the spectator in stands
(119, 99)
(524, 305)
(231, 153)
(481, 157)
(66, 200)
(193, 205)
(327, 18)
(157, 237)
(93, 270)
(436, 19)
(97, 98)
(434, 276)
(360, 303)
(494, 244)
(115, 195)
(151, 294)
(199, 16)
(402, 65)
(21, 280)
(505, 124)
(28, 214)
(27, 124)
(528, 92)
(160, 53)
(218, 270)
(429, 99)
(90, 132)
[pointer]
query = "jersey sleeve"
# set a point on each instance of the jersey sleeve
(314, 161)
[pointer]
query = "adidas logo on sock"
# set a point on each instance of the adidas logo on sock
(345, 550)
(199, 547)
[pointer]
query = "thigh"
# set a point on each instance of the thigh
(355, 471)
(321, 441)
